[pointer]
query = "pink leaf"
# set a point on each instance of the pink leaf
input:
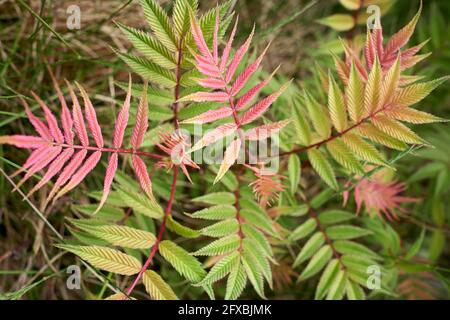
(68, 171)
(215, 37)
(78, 119)
(214, 135)
(206, 68)
(200, 40)
(141, 125)
(211, 83)
(378, 42)
(91, 118)
(109, 177)
(211, 115)
(227, 49)
(22, 141)
(38, 125)
(259, 108)
(51, 120)
(218, 96)
(238, 57)
(53, 169)
(369, 50)
(141, 173)
(230, 156)
(82, 172)
(265, 131)
(66, 118)
(122, 119)
(242, 79)
(249, 95)
(40, 164)
(32, 159)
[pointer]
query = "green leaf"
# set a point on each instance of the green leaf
(220, 212)
(253, 273)
(335, 216)
(182, 261)
(140, 203)
(322, 167)
(327, 279)
(224, 198)
(221, 268)
(150, 47)
(346, 232)
(336, 105)
(337, 288)
(317, 262)
(156, 287)
(261, 262)
(354, 291)
(236, 283)
(301, 125)
(259, 220)
(159, 22)
(414, 250)
(338, 22)
(311, 246)
(303, 230)
(353, 248)
(150, 70)
(104, 258)
(122, 236)
(344, 156)
(362, 149)
(181, 15)
(220, 246)
(294, 172)
(181, 230)
(319, 116)
(259, 239)
(222, 228)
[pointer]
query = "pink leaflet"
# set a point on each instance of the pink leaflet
(215, 38)
(211, 83)
(82, 172)
(200, 40)
(32, 159)
(265, 131)
(260, 107)
(68, 171)
(91, 118)
(23, 141)
(51, 120)
(66, 118)
(78, 119)
(242, 79)
(206, 67)
(249, 95)
(141, 125)
(238, 57)
(218, 96)
(227, 49)
(211, 115)
(214, 135)
(122, 119)
(38, 125)
(109, 177)
(369, 50)
(41, 163)
(140, 169)
(53, 169)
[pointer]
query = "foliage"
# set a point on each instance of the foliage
(237, 227)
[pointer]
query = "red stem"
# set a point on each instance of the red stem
(173, 187)
(162, 228)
